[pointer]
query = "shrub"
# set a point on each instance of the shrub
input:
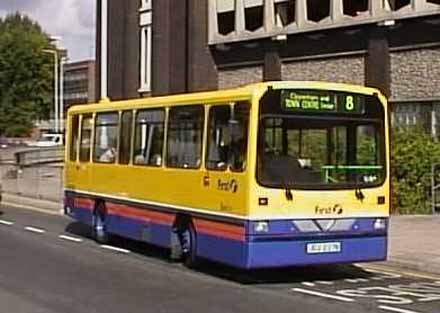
(412, 155)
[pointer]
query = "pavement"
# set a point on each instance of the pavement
(414, 240)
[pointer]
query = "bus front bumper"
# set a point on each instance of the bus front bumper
(282, 253)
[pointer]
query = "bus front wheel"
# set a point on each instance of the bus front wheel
(99, 224)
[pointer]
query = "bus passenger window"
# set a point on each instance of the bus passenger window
(239, 137)
(149, 137)
(73, 140)
(86, 136)
(185, 133)
(125, 137)
(218, 139)
(106, 137)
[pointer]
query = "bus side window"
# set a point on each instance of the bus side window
(239, 143)
(74, 136)
(125, 137)
(185, 133)
(218, 141)
(149, 137)
(86, 136)
(106, 137)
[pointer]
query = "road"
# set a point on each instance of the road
(48, 264)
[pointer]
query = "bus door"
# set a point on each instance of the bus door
(226, 157)
(82, 168)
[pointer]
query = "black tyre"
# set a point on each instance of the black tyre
(99, 224)
(188, 239)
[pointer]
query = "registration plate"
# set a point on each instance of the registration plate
(323, 247)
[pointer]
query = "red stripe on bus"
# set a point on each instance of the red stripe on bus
(139, 214)
(222, 230)
(84, 203)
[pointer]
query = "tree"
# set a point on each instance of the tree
(25, 75)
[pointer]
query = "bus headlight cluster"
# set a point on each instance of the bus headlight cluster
(261, 227)
(380, 224)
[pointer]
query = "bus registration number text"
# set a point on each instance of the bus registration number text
(323, 247)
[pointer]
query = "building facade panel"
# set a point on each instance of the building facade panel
(415, 74)
(235, 77)
(342, 70)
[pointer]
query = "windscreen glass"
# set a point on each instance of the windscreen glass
(320, 139)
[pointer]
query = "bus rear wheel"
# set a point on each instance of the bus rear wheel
(188, 239)
(99, 224)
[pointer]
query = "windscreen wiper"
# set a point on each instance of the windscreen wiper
(288, 191)
(357, 190)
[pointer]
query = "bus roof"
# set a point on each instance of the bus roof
(218, 96)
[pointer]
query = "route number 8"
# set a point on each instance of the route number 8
(349, 103)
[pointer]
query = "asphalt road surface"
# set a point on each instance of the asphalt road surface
(49, 264)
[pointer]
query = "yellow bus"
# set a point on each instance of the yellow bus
(267, 175)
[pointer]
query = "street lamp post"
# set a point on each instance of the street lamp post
(56, 84)
(63, 60)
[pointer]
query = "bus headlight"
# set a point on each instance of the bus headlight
(261, 227)
(380, 224)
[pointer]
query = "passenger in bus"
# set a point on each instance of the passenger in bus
(139, 159)
(108, 156)
(156, 160)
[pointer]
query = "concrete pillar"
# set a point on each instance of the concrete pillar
(376, 7)
(269, 15)
(272, 62)
(240, 22)
(377, 61)
(337, 10)
(301, 13)
(212, 18)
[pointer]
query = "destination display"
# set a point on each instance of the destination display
(322, 101)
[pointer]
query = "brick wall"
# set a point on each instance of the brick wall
(415, 74)
(230, 78)
(340, 70)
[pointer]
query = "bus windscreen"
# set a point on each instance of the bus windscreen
(308, 140)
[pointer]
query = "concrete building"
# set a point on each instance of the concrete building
(79, 83)
(156, 47)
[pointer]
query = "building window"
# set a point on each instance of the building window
(285, 13)
(395, 5)
(317, 10)
(145, 5)
(146, 40)
(254, 17)
(355, 8)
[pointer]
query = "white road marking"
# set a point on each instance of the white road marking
(308, 284)
(7, 223)
(392, 309)
(356, 280)
(323, 282)
(35, 230)
(323, 295)
(69, 238)
(384, 274)
(115, 249)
